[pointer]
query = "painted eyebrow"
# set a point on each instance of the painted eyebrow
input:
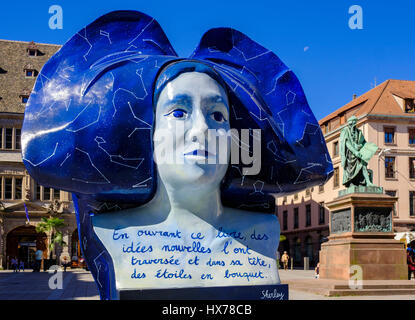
(180, 99)
(215, 99)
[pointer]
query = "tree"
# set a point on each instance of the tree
(52, 225)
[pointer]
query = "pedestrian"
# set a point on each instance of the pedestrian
(410, 255)
(21, 265)
(14, 264)
(38, 260)
(317, 271)
(65, 262)
(284, 259)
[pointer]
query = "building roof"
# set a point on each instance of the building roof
(14, 60)
(381, 100)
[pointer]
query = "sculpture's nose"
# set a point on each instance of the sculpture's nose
(199, 128)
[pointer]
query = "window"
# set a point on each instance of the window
(31, 73)
(8, 184)
(335, 149)
(32, 52)
(411, 203)
(18, 188)
(56, 194)
(296, 196)
(389, 135)
(13, 187)
(308, 215)
(321, 188)
(295, 218)
(38, 192)
(12, 138)
(307, 192)
(25, 99)
(389, 167)
(412, 168)
(393, 194)
(336, 177)
(46, 193)
(409, 106)
(9, 138)
(411, 133)
(17, 134)
(322, 214)
(285, 220)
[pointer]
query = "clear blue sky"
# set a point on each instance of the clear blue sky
(311, 36)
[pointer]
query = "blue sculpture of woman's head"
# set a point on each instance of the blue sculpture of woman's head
(92, 121)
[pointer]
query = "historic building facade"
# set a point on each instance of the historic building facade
(386, 116)
(20, 63)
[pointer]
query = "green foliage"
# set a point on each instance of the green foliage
(52, 224)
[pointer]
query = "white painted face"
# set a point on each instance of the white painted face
(189, 109)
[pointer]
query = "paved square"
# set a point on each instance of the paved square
(78, 284)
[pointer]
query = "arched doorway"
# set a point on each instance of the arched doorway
(22, 242)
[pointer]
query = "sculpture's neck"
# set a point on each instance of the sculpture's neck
(202, 201)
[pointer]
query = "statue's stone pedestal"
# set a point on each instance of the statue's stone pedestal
(361, 234)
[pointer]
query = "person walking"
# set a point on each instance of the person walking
(284, 259)
(410, 255)
(21, 265)
(38, 260)
(65, 262)
(14, 264)
(317, 271)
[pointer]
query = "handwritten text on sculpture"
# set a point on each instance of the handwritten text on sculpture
(147, 254)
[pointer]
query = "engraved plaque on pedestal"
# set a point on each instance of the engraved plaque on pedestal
(372, 219)
(341, 221)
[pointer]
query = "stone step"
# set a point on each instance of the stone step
(370, 292)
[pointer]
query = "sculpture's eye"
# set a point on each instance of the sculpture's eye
(218, 116)
(178, 113)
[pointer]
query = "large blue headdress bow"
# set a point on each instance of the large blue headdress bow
(92, 102)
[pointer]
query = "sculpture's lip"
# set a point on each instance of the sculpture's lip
(199, 153)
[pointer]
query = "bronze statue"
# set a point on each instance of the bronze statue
(355, 154)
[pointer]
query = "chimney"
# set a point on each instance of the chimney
(354, 96)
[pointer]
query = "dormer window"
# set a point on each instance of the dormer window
(32, 50)
(409, 106)
(24, 96)
(30, 71)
